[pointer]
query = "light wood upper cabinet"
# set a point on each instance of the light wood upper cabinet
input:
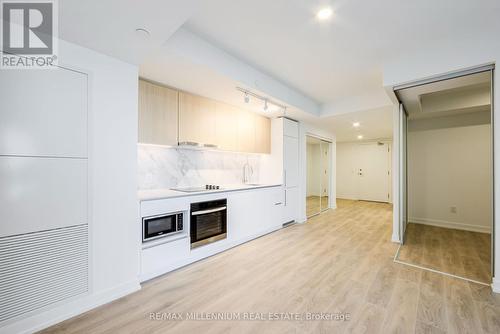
(246, 131)
(158, 114)
(226, 126)
(262, 134)
(169, 117)
(197, 119)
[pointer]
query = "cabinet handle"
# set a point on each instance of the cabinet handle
(284, 173)
(279, 203)
(285, 197)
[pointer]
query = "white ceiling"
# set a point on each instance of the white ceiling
(344, 57)
(374, 124)
(109, 26)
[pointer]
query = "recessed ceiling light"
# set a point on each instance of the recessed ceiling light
(360, 137)
(356, 124)
(324, 13)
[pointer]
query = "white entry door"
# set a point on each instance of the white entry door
(373, 172)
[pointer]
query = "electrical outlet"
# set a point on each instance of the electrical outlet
(453, 209)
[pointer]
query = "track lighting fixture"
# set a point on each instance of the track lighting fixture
(269, 104)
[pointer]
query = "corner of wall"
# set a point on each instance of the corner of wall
(495, 286)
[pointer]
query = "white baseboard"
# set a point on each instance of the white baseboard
(495, 286)
(348, 197)
(447, 224)
(66, 310)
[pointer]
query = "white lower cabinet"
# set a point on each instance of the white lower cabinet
(163, 258)
(291, 204)
(250, 213)
(254, 212)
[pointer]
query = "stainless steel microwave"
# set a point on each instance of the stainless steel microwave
(160, 226)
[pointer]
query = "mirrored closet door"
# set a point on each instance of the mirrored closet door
(318, 175)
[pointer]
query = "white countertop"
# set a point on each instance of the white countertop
(152, 194)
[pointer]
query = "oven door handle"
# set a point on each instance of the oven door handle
(202, 212)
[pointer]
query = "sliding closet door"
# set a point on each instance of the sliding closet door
(403, 195)
(314, 167)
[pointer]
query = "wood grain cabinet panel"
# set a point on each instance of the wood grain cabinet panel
(246, 131)
(226, 126)
(262, 134)
(197, 119)
(169, 117)
(158, 114)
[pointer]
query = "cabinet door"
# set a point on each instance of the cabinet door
(43, 113)
(262, 134)
(291, 161)
(158, 114)
(246, 131)
(197, 117)
(226, 126)
(291, 204)
(290, 128)
(39, 194)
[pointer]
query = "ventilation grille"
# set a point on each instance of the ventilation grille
(41, 268)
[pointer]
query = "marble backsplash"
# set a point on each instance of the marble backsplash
(169, 167)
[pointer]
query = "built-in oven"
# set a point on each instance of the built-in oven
(208, 222)
(160, 226)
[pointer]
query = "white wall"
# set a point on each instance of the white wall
(313, 170)
(114, 264)
(450, 167)
(438, 59)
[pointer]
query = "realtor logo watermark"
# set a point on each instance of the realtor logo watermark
(29, 34)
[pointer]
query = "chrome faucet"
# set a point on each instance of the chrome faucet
(247, 172)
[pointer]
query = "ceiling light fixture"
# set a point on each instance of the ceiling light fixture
(142, 32)
(247, 98)
(356, 124)
(360, 137)
(324, 13)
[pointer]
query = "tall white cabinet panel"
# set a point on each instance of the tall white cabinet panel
(43, 189)
(39, 194)
(291, 169)
(43, 113)
(291, 211)
(291, 161)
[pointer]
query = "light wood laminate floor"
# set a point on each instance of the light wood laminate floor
(339, 261)
(462, 253)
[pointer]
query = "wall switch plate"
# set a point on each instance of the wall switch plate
(453, 209)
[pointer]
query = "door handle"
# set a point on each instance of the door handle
(202, 212)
